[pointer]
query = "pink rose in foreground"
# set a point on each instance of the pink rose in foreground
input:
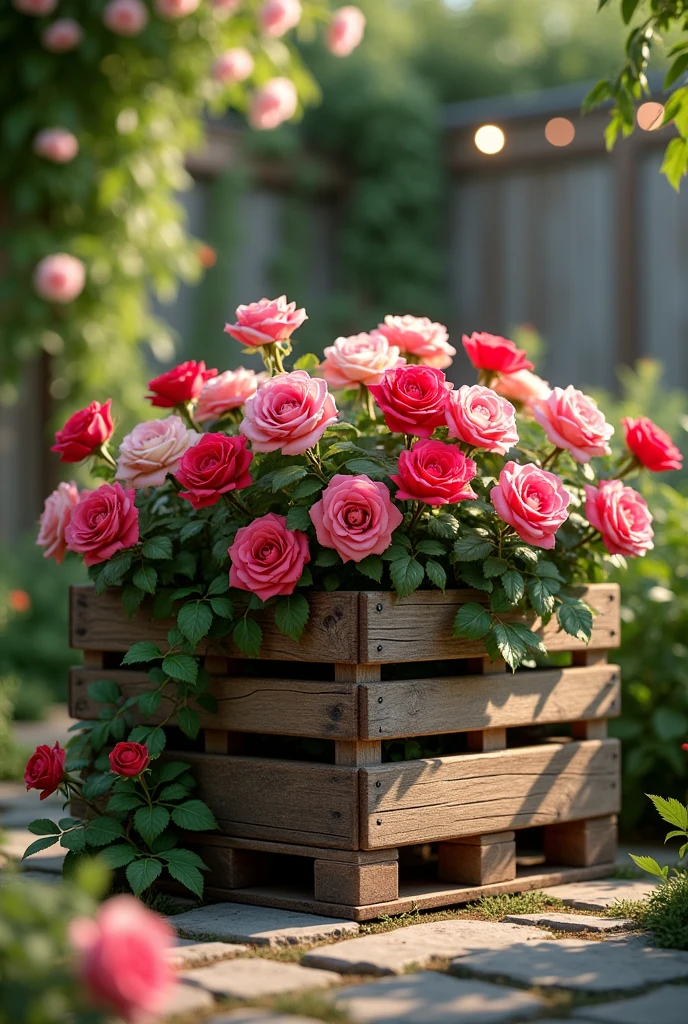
(482, 419)
(622, 517)
(84, 432)
(123, 958)
(523, 386)
(59, 278)
(105, 521)
(213, 467)
(571, 420)
(359, 359)
(229, 390)
(233, 65)
(36, 7)
(268, 558)
(55, 518)
(533, 501)
(651, 445)
(125, 17)
(266, 321)
(56, 144)
(274, 103)
(290, 411)
(180, 385)
(63, 35)
(175, 8)
(355, 516)
(45, 769)
(493, 353)
(152, 450)
(413, 399)
(345, 30)
(420, 337)
(435, 473)
(277, 17)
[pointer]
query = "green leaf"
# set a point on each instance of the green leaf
(191, 530)
(548, 570)
(175, 791)
(628, 9)
(222, 606)
(141, 652)
(157, 547)
(149, 822)
(309, 485)
(67, 822)
(541, 597)
(328, 557)
(183, 592)
(298, 518)
(182, 856)
(472, 574)
(98, 785)
(155, 741)
(366, 467)
(171, 770)
(371, 566)
(446, 526)
(650, 865)
(149, 702)
(194, 815)
(145, 578)
(504, 641)
(576, 620)
(599, 92)
(117, 856)
(142, 873)
(494, 566)
(431, 547)
(499, 602)
(306, 578)
(132, 598)
(248, 636)
(189, 722)
(40, 844)
(102, 831)
(407, 575)
(220, 585)
(514, 585)
(194, 620)
(44, 827)
(526, 554)
(671, 811)
(675, 162)
(308, 361)
(436, 574)
(190, 877)
(678, 68)
(530, 639)
(120, 802)
(287, 477)
(105, 691)
(74, 840)
(291, 615)
(472, 621)
(182, 667)
(471, 548)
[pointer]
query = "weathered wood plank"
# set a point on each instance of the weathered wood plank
(447, 797)
(423, 707)
(294, 849)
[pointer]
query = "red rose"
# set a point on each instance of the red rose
(45, 769)
(180, 385)
(412, 399)
(104, 521)
(435, 473)
(651, 445)
(84, 432)
(490, 352)
(129, 759)
(684, 746)
(214, 466)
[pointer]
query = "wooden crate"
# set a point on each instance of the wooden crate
(373, 668)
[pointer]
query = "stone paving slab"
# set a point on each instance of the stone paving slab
(571, 922)
(234, 922)
(577, 964)
(600, 894)
(666, 1005)
(432, 998)
(184, 1000)
(250, 1016)
(394, 952)
(200, 954)
(254, 977)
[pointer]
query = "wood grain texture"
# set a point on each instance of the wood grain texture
(477, 864)
(423, 707)
(582, 843)
(446, 797)
(299, 849)
(355, 884)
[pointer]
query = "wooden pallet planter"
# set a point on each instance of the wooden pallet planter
(338, 824)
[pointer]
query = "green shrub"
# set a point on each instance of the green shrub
(666, 913)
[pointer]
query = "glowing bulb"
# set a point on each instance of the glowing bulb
(649, 116)
(489, 139)
(559, 131)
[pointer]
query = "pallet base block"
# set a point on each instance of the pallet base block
(582, 843)
(356, 884)
(478, 861)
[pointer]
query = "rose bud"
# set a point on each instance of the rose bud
(59, 278)
(268, 558)
(345, 31)
(266, 322)
(125, 17)
(105, 521)
(56, 144)
(63, 35)
(84, 433)
(55, 518)
(215, 466)
(129, 759)
(533, 501)
(45, 769)
(355, 516)
(180, 385)
(274, 103)
(495, 354)
(233, 66)
(622, 517)
(651, 445)
(435, 473)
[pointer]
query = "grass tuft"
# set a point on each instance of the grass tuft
(494, 907)
(311, 1004)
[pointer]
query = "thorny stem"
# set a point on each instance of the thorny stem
(104, 453)
(550, 460)
(186, 412)
(313, 457)
(623, 471)
(234, 499)
(585, 538)
(367, 401)
(417, 513)
(272, 358)
(408, 441)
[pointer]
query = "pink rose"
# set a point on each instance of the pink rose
(359, 359)
(233, 65)
(152, 450)
(622, 517)
(531, 500)
(266, 322)
(267, 558)
(413, 399)
(356, 517)
(435, 473)
(180, 385)
(277, 17)
(105, 521)
(213, 467)
(55, 518)
(175, 8)
(420, 337)
(651, 445)
(125, 17)
(290, 411)
(56, 144)
(482, 419)
(571, 420)
(63, 35)
(345, 31)
(523, 386)
(229, 390)
(59, 278)
(274, 103)
(84, 433)
(123, 958)
(495, 354)
(36, 7)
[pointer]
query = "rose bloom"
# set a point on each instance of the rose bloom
(622, 517)
(19, 601)
(45, 769)
(359, 359)
(277, 17)
(125, 17)
(213, 467)
(435, 473)
(63, 35)
(523, 386)
(175, 8)
(290, 411)
(59, 278)
(267, 557)
(355, 516)
(153, 449)
(129, 759)
(229, 390)
(56, 144)
(482, 419)
(57, 512)
(531, 500)
(413, 399)
(490, 352)
(266, 321)
(35, 7)
(651, 445)
(179, 385)
(418, 336)
(571, 420)
(233, 65)
(345, 31)
(105, 521)
(274, 103)
(84, 432)
(123, 958)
